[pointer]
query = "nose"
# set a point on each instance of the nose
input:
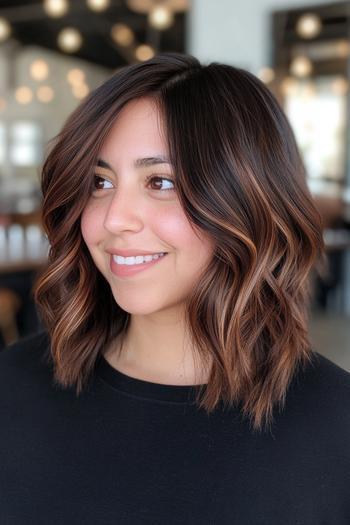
(123, 213)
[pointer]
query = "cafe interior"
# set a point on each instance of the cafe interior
(54, 52)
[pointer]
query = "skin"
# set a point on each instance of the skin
(127, 212)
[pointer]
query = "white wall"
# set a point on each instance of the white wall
(235, 31)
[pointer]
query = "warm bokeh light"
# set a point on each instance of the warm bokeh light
(289, 85)
(145, 6)
(69, 40)
(76, 76)
(23, 95)
(340, 86)
(309, 25)
(301, 66)
(266, 74)
(144, 52)
(161, 17)
(80, 90)
(343, 48)
(45, 94)
(98, 5)
(56, 8)
(5, 29)
(122, 34)
(3, 104)
(308, 90)
(39, 69)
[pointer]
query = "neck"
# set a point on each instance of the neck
(158, 352)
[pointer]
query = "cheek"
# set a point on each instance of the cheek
(174, 227)
(90, 222)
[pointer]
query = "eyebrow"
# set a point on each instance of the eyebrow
(139, 163)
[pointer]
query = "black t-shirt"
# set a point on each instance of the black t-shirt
(129, 451)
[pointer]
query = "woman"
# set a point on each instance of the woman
(174, 381)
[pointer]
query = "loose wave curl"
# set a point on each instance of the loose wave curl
(240, 179)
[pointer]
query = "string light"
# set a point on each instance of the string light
(5, 29)
(76, 76)
(45, 94)
(80, 90)
(266, 74)
(144, 52)
(340, 86)
(98, 5)
(39, 69)
(343, 48)
(69, 40)
(161, 17)
(122, 34)
(301, 66)
(23, 95)
(289, 86)
(56, 8)
(309, 25)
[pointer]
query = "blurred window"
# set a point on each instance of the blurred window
(2, 143)
(317, 112)
(25, 143)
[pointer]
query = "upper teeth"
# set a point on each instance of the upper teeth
(136, 260)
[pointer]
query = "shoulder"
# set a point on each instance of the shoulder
(324, 374)
(321, 392)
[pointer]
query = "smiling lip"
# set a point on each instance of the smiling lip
(131, 253)
(124, 270)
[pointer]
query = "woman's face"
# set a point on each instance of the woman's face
(134, 206)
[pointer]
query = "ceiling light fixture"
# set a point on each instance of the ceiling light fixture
(309, 25)
(39, 69)
(340, 86)
(161, 17)
(301, 66)
(45, 94)
(23, 95)
(98, 5)
(144, 52)
(5, 29)
(122, 34)
(146, 6)
(69, 40)
(266, 74)
(80, 90)
(56, 8)
(76, 76)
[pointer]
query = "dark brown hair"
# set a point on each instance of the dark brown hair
(240, 179)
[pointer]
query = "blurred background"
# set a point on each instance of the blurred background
(53, 52)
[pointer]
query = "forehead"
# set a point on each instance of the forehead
(138, 126)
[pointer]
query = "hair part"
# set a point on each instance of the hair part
(241, 181)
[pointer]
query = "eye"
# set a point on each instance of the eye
(152, 178)
(98, 183)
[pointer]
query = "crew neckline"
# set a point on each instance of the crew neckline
(145, 389)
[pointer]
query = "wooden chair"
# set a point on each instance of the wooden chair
(10, 304)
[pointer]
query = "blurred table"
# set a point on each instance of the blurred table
(332, 288)
(22, 247)
(21, 265)
(23, 253)
(337, 239)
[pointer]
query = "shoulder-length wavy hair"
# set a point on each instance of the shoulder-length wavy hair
(240, 179)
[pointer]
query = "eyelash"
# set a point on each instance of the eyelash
(148, 179)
